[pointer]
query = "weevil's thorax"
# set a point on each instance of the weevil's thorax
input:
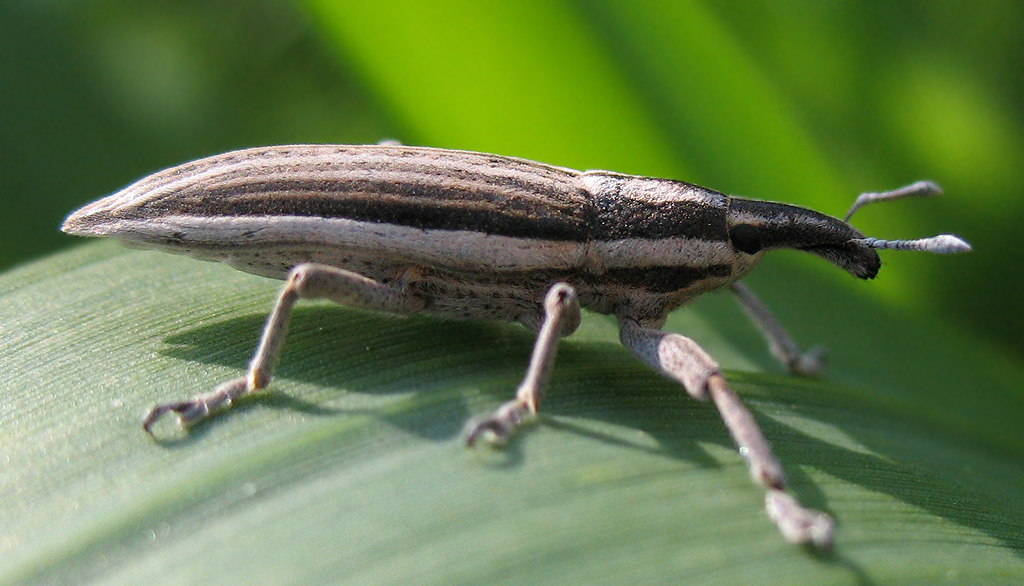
(660, 243)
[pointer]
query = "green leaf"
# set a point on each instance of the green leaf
(352, 469)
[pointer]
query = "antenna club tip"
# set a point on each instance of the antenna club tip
(949, 244)
(925, 188)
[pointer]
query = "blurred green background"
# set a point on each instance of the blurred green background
(807, 101)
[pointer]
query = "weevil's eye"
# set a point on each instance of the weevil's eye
(745, 238)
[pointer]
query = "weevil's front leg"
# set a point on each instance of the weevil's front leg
(306, 281)
(561, 316)
(782, 347)
(680, 358)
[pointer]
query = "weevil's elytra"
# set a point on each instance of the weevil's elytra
(470, 235)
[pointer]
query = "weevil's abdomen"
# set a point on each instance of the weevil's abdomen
(367, 208)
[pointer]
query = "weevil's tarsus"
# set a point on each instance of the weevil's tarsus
(305, 281)
(797, 524)
(561, 317)
(682, 359)
(810, 363)
(200, 406)
(941, 244)
(917, 189)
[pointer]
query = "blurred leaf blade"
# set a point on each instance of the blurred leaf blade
(760, 143)
(526, 79)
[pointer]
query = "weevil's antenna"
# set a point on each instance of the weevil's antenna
(919, 189)
(941, 244)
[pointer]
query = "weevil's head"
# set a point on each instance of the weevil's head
(757, 226)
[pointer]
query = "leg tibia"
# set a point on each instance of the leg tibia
(683, 360)
(782, 347)
(561, 314)
(307, 281)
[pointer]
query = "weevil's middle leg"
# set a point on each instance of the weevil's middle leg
(809, 363)
(680, 358)
(561, 316)
(306, 281)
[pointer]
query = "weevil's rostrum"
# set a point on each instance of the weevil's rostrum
(471, 235)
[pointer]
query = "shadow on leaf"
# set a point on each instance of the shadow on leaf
(438, 360)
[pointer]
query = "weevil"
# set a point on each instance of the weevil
(463, 234)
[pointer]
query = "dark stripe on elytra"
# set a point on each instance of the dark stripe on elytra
(419, 205)
(507, 195)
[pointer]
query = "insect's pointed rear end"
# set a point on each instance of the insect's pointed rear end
(95, 219)
(137, 213)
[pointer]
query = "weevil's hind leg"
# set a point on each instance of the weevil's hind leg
(809, 363)
(680, 358)
(561, 317)
(306, 281)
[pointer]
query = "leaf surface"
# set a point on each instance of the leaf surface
(352, 468)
